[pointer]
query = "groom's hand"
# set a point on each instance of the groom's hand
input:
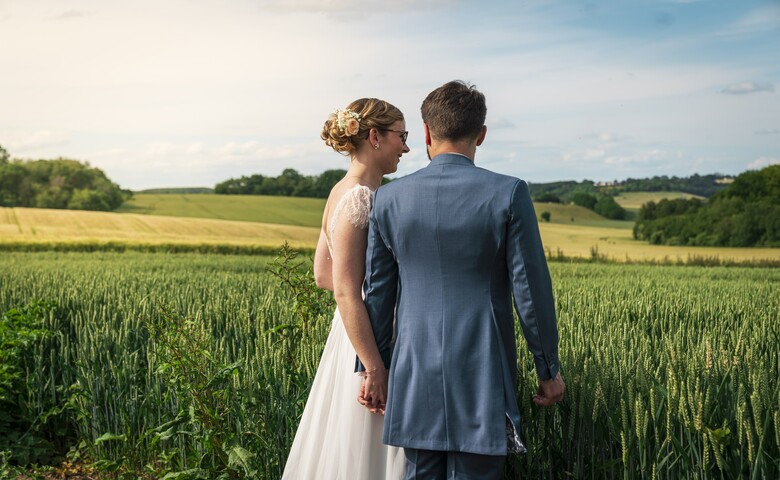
(379, 409)
(373, 392)
(550, 391)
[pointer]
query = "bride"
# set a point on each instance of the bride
(338, 438)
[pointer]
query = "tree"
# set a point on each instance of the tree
(4, 156)
(548, 197)
(746, 213)
(325, 182)
(546, 216)
(606, 206)
(289, 183)
(83, 199)
(584, 200)
(53, 183)
(16, 189)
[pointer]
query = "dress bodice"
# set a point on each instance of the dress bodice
(355, 205)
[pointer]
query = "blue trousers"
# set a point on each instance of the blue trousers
(436, 465)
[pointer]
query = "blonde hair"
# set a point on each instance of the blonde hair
(374, 113)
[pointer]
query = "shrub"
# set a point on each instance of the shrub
(32, 429)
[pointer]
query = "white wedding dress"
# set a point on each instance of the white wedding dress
(339, 439)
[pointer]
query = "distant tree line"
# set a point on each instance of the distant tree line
(701, 185)
(59, 183)
(583, 194)
(290, 184)
(560, 192)
(604, 205)
(744, 214)
(176, 190)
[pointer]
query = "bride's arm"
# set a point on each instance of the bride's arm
(323, 264)
(348, 274)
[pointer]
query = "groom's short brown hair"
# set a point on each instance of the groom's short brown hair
(454, 111)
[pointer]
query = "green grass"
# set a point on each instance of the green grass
(179, 190)
(305, 212)
(672, 372)
(574, 215)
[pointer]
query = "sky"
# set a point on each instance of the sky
(185, 93)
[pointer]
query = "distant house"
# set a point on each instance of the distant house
(724, 180)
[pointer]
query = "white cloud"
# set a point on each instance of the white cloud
(594, 153)
(216, 89)
(743, 88)
(163, 149)
(606, 139)
(760, 19)
(30, 142)
(643, 157)
(195, 164)
(111, 152)
(762, 162)
(366, 7)
(74, 13)
(254, 149)
(501, 124)
(232, 153)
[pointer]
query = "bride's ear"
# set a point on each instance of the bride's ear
(373, 137)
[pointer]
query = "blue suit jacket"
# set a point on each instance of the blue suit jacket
(449, 247)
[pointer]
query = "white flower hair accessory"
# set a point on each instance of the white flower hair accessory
(348, 121)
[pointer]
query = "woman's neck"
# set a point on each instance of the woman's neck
(371, 178)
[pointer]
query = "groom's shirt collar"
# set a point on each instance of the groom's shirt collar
(451, 158)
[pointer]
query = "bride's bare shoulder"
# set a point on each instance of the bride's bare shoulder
(350, 199)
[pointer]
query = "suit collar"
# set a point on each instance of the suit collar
(451, 159)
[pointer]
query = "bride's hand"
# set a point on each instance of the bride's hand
(373, 392)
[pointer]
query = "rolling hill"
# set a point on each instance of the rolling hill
(38, 225)
(634, 200)
(578, 238)
(304, 212)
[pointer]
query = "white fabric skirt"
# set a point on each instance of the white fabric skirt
(338, 438)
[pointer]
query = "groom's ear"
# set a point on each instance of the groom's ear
(427, 134)
(481, 137)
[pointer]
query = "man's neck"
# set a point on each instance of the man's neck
(467, 149)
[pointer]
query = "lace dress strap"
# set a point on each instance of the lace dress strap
(355, 204)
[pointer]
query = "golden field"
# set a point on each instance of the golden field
(577, 238)
(37, 225)
(634, 200)
(619, 244)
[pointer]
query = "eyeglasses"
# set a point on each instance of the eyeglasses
(404, 133)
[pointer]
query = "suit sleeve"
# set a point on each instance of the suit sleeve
(380, 286)
(531, 284)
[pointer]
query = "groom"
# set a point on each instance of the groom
(449, 249)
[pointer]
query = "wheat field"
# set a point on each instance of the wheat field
(581, 238)
(634, 200)
(672, 372)
(36, 225)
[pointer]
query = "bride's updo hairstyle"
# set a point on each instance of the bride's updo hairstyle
(345, 130)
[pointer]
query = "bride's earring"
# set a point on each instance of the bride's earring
(376, 146)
